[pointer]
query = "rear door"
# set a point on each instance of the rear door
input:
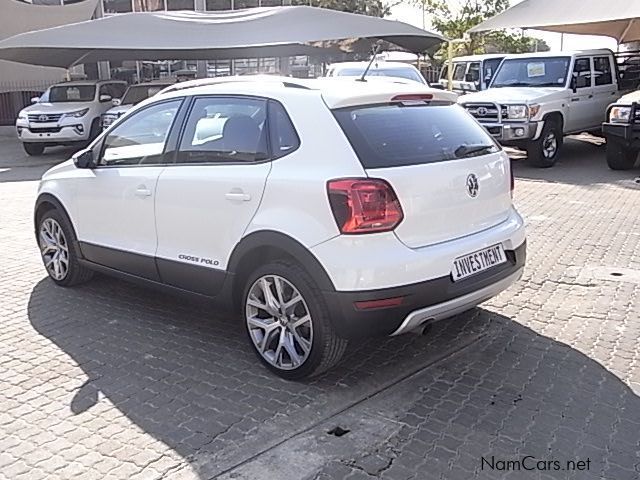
(207, 198)
(450, 176)
(605, 87)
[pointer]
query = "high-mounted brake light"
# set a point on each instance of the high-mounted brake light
(364, 205)
(412, 97)
(513, 180)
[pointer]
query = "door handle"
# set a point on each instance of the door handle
(575, 99)
(237, 195)
(591, 96)
(142, 191)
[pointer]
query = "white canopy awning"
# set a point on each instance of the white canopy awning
(619, 19)
(276, 31)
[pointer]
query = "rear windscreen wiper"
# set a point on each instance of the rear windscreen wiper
(469, 150)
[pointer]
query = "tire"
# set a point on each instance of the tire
(544, 152)
(94, 131)
(56, 235)
(324, 347)
(620, 157)
(33, 149)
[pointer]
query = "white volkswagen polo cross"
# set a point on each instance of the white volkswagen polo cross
(322, 210)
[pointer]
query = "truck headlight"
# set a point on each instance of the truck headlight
(108, 119)
(517, 112)
(77, 113)
(22, 116)
(620, 115)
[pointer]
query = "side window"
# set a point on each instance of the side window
(602, 71)
(117, 90)
(459, 71)
(284, 138)
(473, 74)
(141, 138)
(582, 72)
(225, 129)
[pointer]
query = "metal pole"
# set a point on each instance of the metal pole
(450, 67)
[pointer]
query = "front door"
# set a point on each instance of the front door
(115, 200)
(581, 100)
(206, 200)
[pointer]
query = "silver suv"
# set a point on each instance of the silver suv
(67, 113)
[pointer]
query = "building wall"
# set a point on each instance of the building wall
(18, 16)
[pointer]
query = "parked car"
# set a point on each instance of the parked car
(322, 211)
(134, 95)
(67, 113)
(535, 99)
(622, 130)
(378, 69)
(471, 73)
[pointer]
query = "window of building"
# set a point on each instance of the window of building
(148, 5)
(180, 4)
(219, 4)
(602, 71)
(240, 4)
(117, 6)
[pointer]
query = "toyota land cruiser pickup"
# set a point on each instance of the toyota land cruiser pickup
(534, 100)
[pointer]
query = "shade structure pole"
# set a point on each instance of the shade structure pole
(450, 66)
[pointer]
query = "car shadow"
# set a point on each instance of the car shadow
(582, 162)
(188, 377)
(17, 166)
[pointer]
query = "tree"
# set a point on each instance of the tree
(373, 8)
(454, 24)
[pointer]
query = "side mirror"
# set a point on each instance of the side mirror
(83, 159)
(35, 99)
(116, 102)
(573, 84)
(105, 98)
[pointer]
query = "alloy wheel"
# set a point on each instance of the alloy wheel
(279, 322)
(54, 249)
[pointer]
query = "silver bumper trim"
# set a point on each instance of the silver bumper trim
(458, 305)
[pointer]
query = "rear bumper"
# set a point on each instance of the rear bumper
(422, 302)
(626, 134)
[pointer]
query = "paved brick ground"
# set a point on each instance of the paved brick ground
(114, 381)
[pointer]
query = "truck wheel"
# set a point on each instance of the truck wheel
(620, 157)
(33, 149)
(544, 152)
(287, 321)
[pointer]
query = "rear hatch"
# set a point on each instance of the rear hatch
(451, 178)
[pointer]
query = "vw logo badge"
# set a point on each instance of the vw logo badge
(482, 111)
(43, 118)
(472, 185)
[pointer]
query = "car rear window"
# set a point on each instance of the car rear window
(396, 135)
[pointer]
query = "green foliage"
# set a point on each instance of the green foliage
(373, 8)
(454, 23)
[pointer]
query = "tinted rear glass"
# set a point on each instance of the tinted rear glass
(396, 135)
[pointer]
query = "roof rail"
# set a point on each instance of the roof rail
(202, 82)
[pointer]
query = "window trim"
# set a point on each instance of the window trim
(168, 142)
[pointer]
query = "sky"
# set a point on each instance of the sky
(413, 15)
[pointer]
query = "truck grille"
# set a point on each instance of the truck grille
(45, 129)
(44, 117)
(487, 112)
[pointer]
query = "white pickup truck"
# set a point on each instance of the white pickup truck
(535, 99)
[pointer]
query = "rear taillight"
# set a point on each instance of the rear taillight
(364, 205)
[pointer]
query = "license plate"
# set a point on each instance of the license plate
(477, 262)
